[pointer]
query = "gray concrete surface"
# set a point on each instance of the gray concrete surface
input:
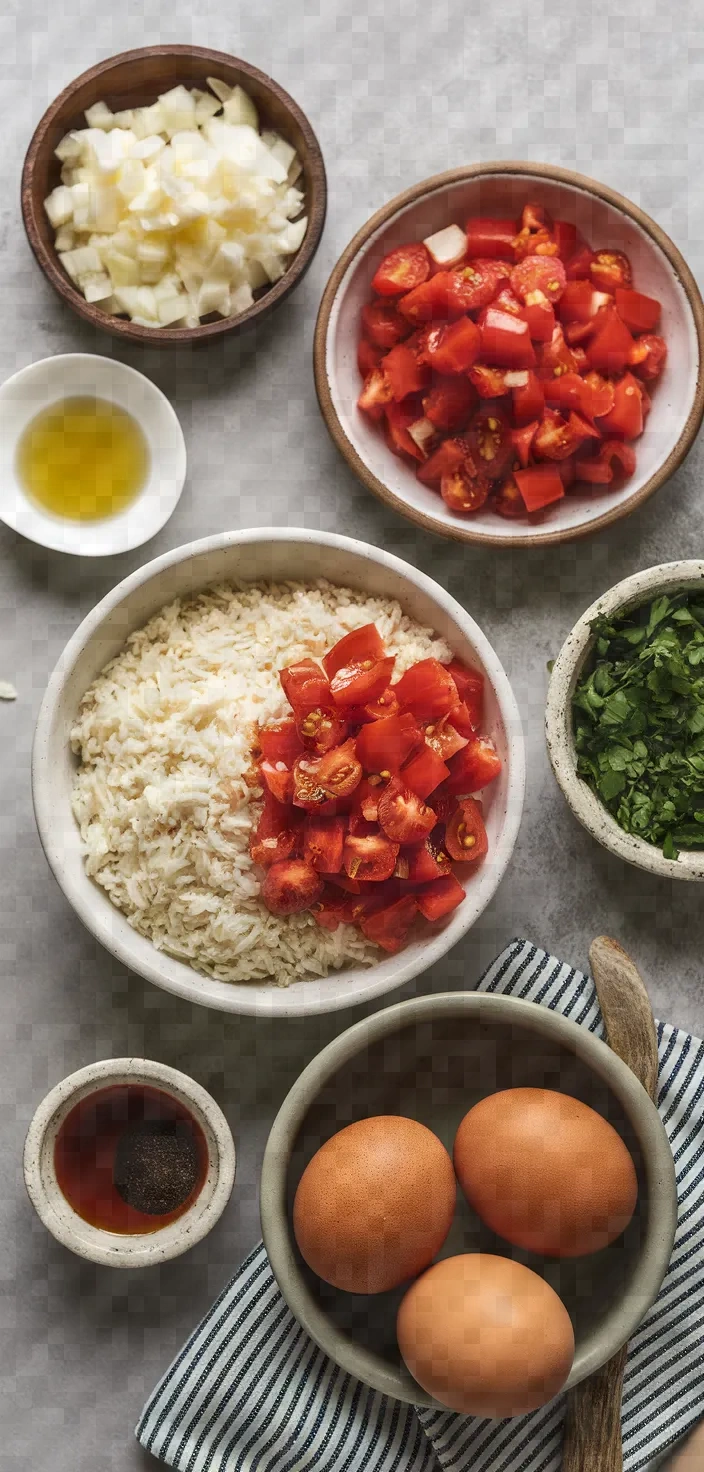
(397, 89)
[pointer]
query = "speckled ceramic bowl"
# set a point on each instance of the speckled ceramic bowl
(112, 1249)
(586, 806)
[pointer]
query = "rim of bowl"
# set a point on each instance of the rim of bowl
(464, 532)
(656, 1249)
(167, 503)
(176, 336)
(187, 986)
(586, 806)
(113, 1249)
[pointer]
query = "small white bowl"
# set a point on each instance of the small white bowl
(559, 729)
(71, 375)
(501, 189)
(248, 556)
(112, 1249)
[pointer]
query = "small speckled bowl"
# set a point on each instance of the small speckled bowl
(112, 1249)
(669, 577)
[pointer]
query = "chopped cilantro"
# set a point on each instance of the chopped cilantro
(639, 721)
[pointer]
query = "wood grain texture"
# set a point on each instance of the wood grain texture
(133, 79)
(592, 1435)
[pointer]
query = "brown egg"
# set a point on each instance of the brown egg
(485, 1336)
(545, 1172)
(375, 1204)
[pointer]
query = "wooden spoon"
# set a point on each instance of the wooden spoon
(592, 1435)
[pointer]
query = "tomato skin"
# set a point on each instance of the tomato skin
(279, 780)
(554, 357)
(506, 300)
(567, 239)
(474, 767)
(557, 438)
(291, 885)
(403, 371)
(277, 834)
(640, 313)
(321, 729)
(389, 928)
(491, 237)
(626, 416)
(423, 773)
(577, 267)
(384, 745)
(403, 816)
(444, 737)
(323, 842)
(452, 348)
(539, 486)
(369, 856)
(489, 382)
(472, 286)
(440, 897)
(522, 441)
(465, 489)
(508, 501)
(611, 344)
(356, 683)
(609, 269)
(305, 686)
(425, 863)
(360, 644)
(383, 325)
(539, 273)
(490, 438)
(376, 392)
(506, 340)
(469, 684)
(280, 742)
(402, 269)
(648, 356)
(465, 837)
(529, 402)
(339, 772)
(570, 391)
(450, 402)
(428, 302)
(600, 470)
(540, 316)
(307, 791)
(399, 418)
(447, 458)
(427, 690)
(369, 355)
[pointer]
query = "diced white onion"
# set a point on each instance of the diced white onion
(517, 379)
(422, 432)
(446, 246)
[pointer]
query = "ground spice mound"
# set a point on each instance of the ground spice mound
(156, 1166)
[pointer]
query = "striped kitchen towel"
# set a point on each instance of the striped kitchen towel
(250, 1392)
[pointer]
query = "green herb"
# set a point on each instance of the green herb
(639, 721)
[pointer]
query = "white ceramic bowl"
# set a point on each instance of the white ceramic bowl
(586, 806)
(277, 555)
(72, 375)
(501, 189)
(112, 1249)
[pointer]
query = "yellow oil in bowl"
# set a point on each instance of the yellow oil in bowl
(84, 459)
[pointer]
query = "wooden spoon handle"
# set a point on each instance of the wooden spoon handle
(592, 1434)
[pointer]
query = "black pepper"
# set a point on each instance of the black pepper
(155, 1166)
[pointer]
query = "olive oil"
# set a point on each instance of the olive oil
(83, 459)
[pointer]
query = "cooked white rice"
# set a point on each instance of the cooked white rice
(162, 799)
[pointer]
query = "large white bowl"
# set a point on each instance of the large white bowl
(605, 219)
(247, 556)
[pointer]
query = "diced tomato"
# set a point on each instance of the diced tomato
(278, 779)
(280, 742)
(354, 648)
(403, 816)
(444, 737)
(332, 909)
(383, 746)
(356, 683)
(529, 401)
(423, 773)
(567, 239)
(577, 267)
(614, 460)
(609, 269)
(645, 399)
(580, 301)
(539, 273)
(383, 324)
(440, 897)
(535, 217)
(556, 438)
(385, 704)
(465, 837)
(506, 340)
(446, 459)
(522, 441)
(490, 383)
(427, 689)
(452, 348)
(365, 805)
(307, 790)
(425, 862)
(648, 356)
(403, 371)
(601, 395)
(609, 348)
(323, 842)
(469, 684)
(490, 237)
(580, 359)
(376, 393)
(277, 834)
(540, 316)
(389, 928)
(569, 391)
(508, 501)
(429, 302)
(399, 418)
(566, 471)
(369, 856)
(305, 686)
(626, 416)
(450, 402)
(402, 269)
(461, 719)
(368, 356)
(339, 771)
(321, 728)
(291, 885)
(554, 357)
(577, 333)
(640, 313)
(444, 804)
(533, 242)
(490, 439)
(506, 300)
(478, 764)
(473, 286)
(539, 486)
(467, 488)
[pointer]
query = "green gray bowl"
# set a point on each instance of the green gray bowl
(432, 1059)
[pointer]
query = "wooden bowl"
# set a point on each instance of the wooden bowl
(134, 79)
(501, 189)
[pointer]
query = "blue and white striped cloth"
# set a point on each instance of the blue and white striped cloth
(250, 1392)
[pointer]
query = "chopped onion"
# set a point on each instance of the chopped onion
(516, 379)
(447, 246)
(422, 432)
(175, 211)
